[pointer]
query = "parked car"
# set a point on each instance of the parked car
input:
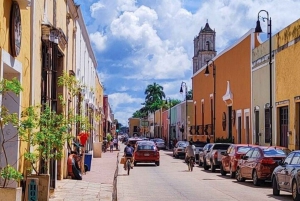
(286, 176)
(133, 141)
(146, 152)
(179, 149)
(258, 164)
(160, 143)
(202, 154)
(198, 147)
(231, 156)
(214, 156)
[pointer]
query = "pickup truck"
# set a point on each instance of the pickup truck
(214, 155)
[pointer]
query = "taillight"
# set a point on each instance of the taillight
(267, 161)
(237, 156)
(216, 155)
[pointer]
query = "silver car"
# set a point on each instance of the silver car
(160, 144)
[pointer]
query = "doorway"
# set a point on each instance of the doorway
(230, 122)
(284, 123)
(298, 123)
(247, 130)
(256, 126)
(239, 129)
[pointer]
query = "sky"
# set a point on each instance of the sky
(139, 42)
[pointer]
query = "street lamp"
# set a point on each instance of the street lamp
(181, 91)
(170, 105)
(214, 76)
(195, 117)
(259, 30)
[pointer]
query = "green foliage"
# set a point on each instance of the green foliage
(10, 173)
(224, 140)
(109, 137)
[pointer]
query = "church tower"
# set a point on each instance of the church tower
(204, 47)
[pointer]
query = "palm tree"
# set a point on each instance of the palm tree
(154, 92)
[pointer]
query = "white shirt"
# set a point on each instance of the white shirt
(189, 150)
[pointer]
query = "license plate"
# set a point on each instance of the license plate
(146, 154)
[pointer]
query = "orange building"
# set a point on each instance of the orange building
(232, 87)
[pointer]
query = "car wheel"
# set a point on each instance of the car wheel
(157, 163)
(213, 168)
(223, 173)
(238, 175)
(232, 174)
(275, 187)
(200, 163)
(134, 163)
(255, 179)
(295, 193)
(205, 166)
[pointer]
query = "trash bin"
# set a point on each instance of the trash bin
(88, 161)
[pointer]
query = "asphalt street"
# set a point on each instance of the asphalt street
(171, 181)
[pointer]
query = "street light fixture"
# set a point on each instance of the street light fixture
(259, 30)
(214, 112)
(181, 91)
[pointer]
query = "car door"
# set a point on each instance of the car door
(252, 163)
(226, 158)
(291, 170)
(244, 164)
(281, 171)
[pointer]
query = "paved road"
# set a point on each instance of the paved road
(171, 182)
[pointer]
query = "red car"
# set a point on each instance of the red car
(231, 156)
(146, 152)
(258, 164)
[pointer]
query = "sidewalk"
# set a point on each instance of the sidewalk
(96, 185)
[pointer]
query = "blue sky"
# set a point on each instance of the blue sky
(139, 42)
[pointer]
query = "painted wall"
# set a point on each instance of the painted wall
(232, 64)
(24, 62)
(287, 77)
(133, 122)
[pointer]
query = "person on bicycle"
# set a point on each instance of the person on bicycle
(128, 153)
(189, 152)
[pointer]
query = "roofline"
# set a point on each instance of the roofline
(251, 31)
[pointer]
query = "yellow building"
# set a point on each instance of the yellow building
(99, 109)
(15, 62)
(134, 126)
(287, 90)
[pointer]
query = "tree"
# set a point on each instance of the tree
(190, 95)
(154, 97)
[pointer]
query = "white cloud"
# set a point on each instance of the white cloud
(99, 40)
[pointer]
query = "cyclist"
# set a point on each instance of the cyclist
(128, 153)
(189, 152)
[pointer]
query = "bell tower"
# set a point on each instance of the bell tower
(204, 47)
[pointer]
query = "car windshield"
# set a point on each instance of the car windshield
(243, 149)
(145, 147)
(183, 144)
(274, 152)
(221, 146)
(199, 144)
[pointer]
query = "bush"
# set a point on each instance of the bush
(224, 140)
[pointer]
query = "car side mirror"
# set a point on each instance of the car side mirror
(245, 157)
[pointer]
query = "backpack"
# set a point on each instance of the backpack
(128, 151)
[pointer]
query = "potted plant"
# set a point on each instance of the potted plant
(9, 175)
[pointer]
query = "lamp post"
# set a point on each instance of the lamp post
(170, 106)
(195, 117)
(181, 91)
(259, 30)
(214, 113)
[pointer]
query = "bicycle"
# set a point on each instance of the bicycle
(191, 163)
(128, 165)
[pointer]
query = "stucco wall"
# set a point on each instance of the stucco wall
(233, 65)
(287, 87)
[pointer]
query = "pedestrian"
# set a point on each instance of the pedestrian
(208, 139)
(115, 143)
(111, 148)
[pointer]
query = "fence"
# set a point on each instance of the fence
(114, 193)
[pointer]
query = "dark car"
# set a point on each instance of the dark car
(202, 154)
(286, 176)
(258, 164)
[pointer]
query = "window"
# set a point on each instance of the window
(267, 126)
(249, 153)
(145, 147)
(288, 158)
(274, 152)
(256, 154)
(221, 146)
(295, 159)
(243, 149)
